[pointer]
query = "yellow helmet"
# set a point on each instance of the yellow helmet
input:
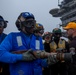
(39, 28)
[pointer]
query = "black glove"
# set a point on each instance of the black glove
(52, 59)
(68, 57)
(28, 56)
(64, 56)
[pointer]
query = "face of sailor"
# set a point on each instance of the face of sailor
(28, 25)
(70, 32)
(48, 38)
(1, 27)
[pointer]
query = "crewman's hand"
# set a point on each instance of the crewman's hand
(64, 56)
(52, 59)
(28, 56)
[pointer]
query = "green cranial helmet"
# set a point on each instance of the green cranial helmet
(56, 30)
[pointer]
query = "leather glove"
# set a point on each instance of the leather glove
(72, 50)
(64, 56)
(52, 59)
(28, 56)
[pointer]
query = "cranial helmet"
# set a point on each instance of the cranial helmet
(56, 30)
(3, 23)
(39, 28)
(57, 33)
(25, 19)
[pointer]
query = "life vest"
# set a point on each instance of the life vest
(54, 46)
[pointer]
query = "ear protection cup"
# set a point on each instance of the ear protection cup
(5, 24)
(18, 25)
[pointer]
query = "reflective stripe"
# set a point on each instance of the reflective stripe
(37, 44)
(19, 40)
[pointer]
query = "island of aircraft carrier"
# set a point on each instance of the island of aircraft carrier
(66, 11)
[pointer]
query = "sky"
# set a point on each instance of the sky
(11, 9)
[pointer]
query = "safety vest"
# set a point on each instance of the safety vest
(54, 46)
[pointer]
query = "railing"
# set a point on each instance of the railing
(70, 19)
(68, 13)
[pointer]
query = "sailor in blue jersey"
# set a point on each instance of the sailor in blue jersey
(25, 63)
(39, 30)
(3, 25)
(19, 41)
(4, 68)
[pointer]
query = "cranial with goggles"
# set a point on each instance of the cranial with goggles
(26, 22)
(57, 33)
(39, 29)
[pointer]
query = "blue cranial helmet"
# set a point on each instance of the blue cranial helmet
(28, 20)
(27, 15)
(1, 18)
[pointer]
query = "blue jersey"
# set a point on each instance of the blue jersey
(20, 41)
(2, 37)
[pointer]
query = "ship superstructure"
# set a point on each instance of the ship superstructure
(66, 11)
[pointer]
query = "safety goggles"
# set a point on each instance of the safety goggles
(47, 37)
(41, 31)
(29, 23)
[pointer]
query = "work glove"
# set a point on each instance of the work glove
(28, 56)
(64, 56)
(52, 59)
(72, 50)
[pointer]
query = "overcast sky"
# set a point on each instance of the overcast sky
(10, 10)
